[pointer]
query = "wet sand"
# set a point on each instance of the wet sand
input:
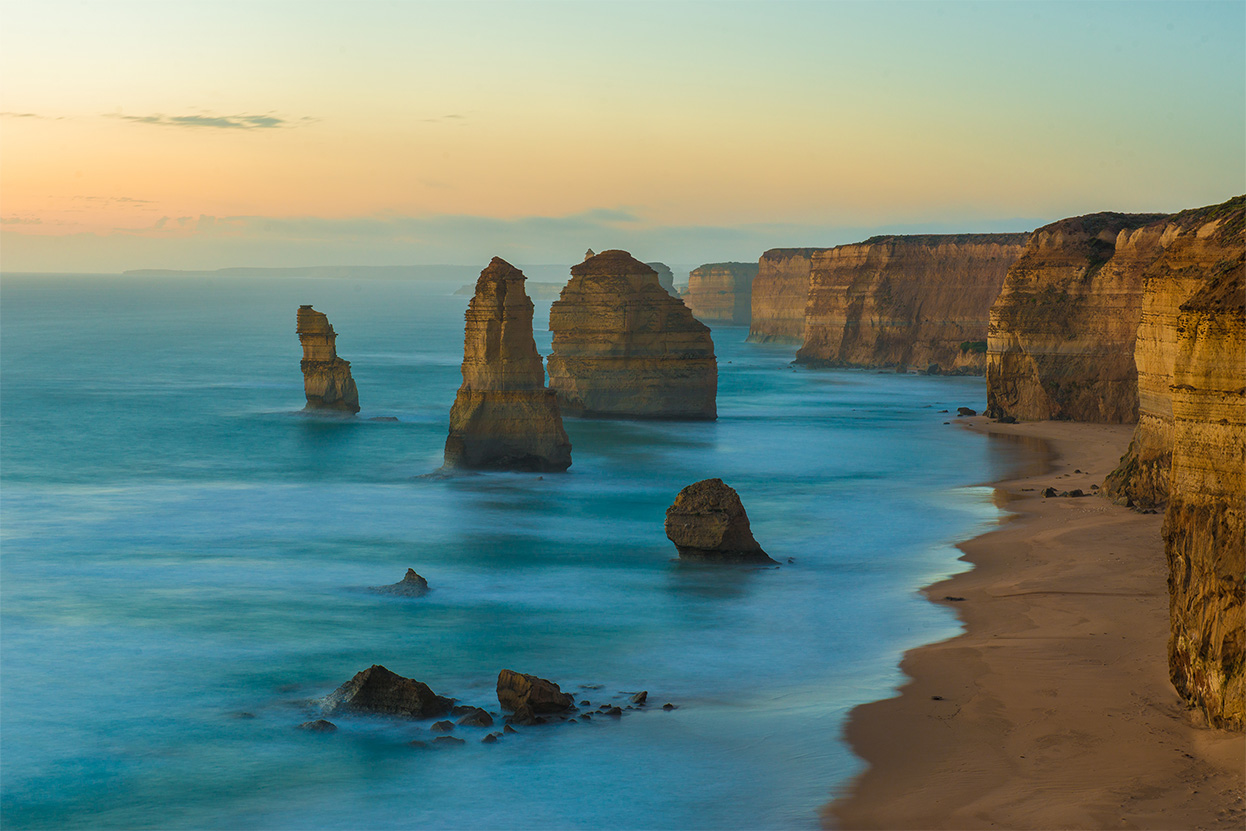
(1053, 710)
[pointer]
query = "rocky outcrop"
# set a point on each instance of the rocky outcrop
(518, 691)
(906, 301)
(721, 292)
(326, 377)
(624, 347)
(377, 690)
(1061, 340)
(779, 295)
(1205, 524)
(412, 585)
(1184, 253)
(666, 277)
(503, 417)
(707, 522)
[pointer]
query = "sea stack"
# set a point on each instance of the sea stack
(722, 292)
(503, 417)
(326, 377)
(707, 522)
(625, 348)
(666, 277)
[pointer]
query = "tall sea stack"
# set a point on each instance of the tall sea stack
(624, 348)
(721, 292)
(326, 377)
(503, 417)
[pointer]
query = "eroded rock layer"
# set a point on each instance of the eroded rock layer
(503, 416)
(1062, 331)
(721, 292)
(906, 301)
(780, 294)
(1205, 525)
(1187, 251)
(624, 347)
(327, 381)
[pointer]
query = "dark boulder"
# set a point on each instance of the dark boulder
(965, 411)
(413, 585)
(517, 690)
(707, 522)
(377, 690)
(476, 718)
(318, 726)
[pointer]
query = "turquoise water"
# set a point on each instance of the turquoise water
(181, 549)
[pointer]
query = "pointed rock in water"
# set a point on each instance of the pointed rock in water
(327, 382)
(413, 585)
(624, 347)
(708, 522)
(318, 726)
(476, 718)
(377, 690)
(503, 417)
(517, 691)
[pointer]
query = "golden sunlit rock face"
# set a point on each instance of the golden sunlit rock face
(623, 347)
(906, 301)
(721, 292)
(503, 416)
(1061, 339)
(780, 294)
(327, 381)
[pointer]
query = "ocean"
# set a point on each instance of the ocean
(185, 563)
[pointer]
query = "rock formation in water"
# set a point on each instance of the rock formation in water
(707, 522)
(721, 292)
(503, 417)
(1205, 524)
(906, 301)
(1183, 254)
(1061, 341)
(517, 691)
(666, 277)
(412, 585)
(780, 293)
(624, 347)
(326, 377)
(377, 690)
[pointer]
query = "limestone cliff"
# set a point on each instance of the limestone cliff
(1061, 337)
(1187, 251)
(503, 416)
(327, 382)
(906, 301)
(624, 347)
(780, 294)
(1205, 525)
(666, 277)
(721, 292)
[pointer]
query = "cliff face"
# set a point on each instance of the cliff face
(666, 277)
(1061, 338)
(624, 347)
(326, 377)
(721, 292)
(1205, 525)
(503, 416)
(906, 301)
(1188, 250)
(780, 294)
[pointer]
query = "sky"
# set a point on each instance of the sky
(200, 135)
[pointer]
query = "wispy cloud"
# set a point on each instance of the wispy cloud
(113, 200)
(31, 115)
(20, 220)
(449, 118)
(267, 121)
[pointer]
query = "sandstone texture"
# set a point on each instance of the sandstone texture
(1187, 252)
(624, 347)
(780, 294)
(503, 417)
(377, 690)
(326, 377)
(721, 292)
(517, 691)
(1061, 340)
(1205, 524)
(707, 522)
(906, 301)
(666, 277)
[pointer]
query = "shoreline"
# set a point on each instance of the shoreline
(1053, 708)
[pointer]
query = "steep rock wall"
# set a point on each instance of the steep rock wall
(503, 416)
(327, 382)
(1061, 337)
(721, 292)
(779, 295)
(906, 301)
(624, 347)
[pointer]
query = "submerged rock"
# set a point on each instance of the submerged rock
(708, 522)
(503, 417)
(327, 381)
(377, 690)
(318, 726)
(413, 585)
(518, 691)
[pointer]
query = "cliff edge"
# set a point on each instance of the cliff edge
(721, 292)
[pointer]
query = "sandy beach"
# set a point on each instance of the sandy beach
(1053, 710)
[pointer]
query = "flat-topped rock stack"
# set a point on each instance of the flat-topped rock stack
(623, 347)
(721, 292)
(327, 381)
(503, 417)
